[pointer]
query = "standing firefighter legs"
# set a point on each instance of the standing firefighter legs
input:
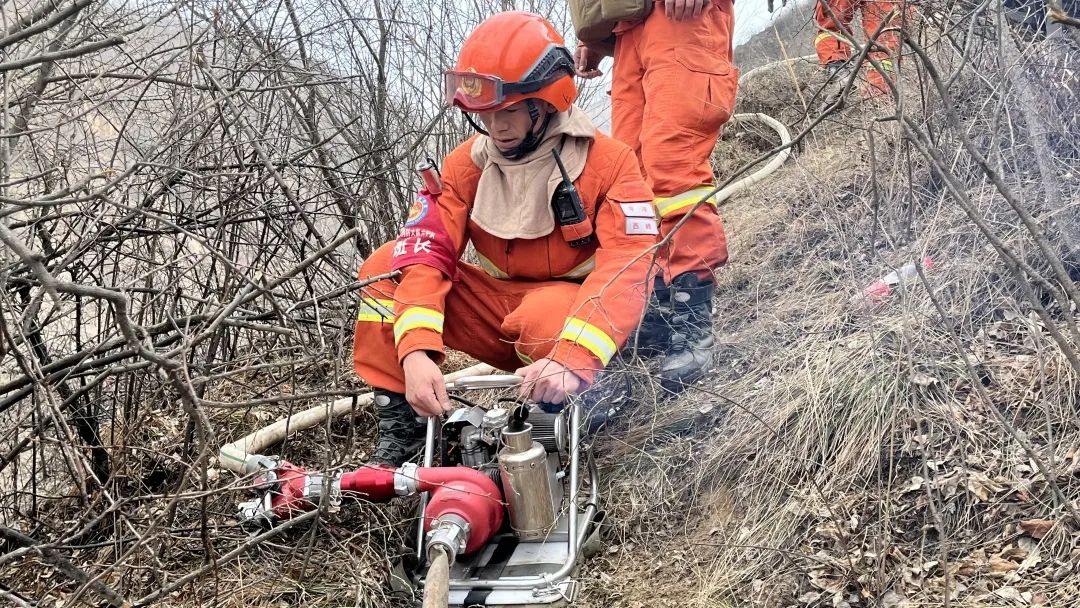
(881, 22)
(673, 89)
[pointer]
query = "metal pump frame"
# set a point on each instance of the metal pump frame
(577, 533)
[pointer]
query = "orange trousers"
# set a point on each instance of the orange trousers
(673, 88)
(501, 322)
(835, 28)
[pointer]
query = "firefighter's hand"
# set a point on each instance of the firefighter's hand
(548, 381)
(425, 388)
(683, 10)
(587, 62)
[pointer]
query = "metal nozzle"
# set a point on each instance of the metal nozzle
(450, 533)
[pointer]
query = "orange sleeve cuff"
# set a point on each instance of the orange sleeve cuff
(422, 338)
(577, 359)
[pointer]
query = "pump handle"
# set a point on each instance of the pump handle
(477, 383)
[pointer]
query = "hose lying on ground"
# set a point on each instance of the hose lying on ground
(767, 170)
(233, 456)
(769, 66)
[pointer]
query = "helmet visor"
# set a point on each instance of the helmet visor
(473, 92)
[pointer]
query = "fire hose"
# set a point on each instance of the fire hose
(242, 455)
(774, 164)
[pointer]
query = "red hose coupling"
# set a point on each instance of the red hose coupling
(375, 483)
(290, 497)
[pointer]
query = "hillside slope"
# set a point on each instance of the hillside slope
(918, 450)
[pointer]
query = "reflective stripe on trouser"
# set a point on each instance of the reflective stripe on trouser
(669, 107)
(499, 322)
(831, 47)
(833, 18)
(667, 206)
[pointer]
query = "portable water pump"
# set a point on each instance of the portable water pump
(502, 521)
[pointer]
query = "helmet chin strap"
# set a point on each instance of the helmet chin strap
(476, 126)
(532, 139)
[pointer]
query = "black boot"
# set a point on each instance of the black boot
(836, 74)
(689, 355)
(654, 333)
(401, 435)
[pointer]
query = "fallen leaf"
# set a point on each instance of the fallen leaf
(921, 379)
(1014, 594)
(915, 484)
(1031, 560)
(892, 599)
(982, 486)
(1037, 528)
(1000, 566)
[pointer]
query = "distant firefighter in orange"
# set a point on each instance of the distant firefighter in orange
(833, 45)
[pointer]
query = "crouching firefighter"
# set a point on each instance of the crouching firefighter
(562, 274)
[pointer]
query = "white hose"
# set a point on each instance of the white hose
(234, 456)
(767, 170)
(437, 581)
(769, 66)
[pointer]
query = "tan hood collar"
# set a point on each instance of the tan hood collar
(513, 197)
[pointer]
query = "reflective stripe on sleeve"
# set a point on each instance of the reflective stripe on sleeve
(374, 310)
(591, 337)
(415, 318)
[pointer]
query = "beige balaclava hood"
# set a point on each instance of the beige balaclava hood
(513, 197)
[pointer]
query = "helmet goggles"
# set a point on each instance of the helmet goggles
(477, 92)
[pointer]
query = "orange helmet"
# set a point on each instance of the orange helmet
(508, 58)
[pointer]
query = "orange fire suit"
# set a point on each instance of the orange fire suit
(527, 298)
(673, 88)
(831, 43)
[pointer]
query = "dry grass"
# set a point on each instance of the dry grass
(840, 454)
